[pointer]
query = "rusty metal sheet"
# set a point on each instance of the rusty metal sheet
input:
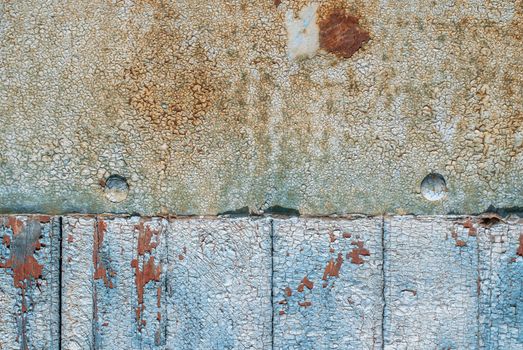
(328, 284)
(431, 283)
(29, 282)
(219, 284)
(501, 285)
(113, 283)
(205, 108)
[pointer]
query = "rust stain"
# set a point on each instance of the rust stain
(277, 3)
(288, 291)
(174, 89)
(6, 240)
(70, 238)
(341, 34)
(347, 235)
(333, 268)
(332, 236)
(15, 225)
(472, 230)
(520, 248)
(305, 303)
(149, 270)
(460, 243)
(100, 271)
(144, 239)
(23, 244)
(26, 270)
(282, 312)
(305, 282)
(356, 253)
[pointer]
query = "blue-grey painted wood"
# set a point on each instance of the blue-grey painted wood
(328, 283)
(29, 282)
(218, 285)
(430, 284)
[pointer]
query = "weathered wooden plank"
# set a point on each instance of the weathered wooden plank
(328, 284)
(501, 285)
(112, 283)
(29, 282)
(431, 289)
(219, 293)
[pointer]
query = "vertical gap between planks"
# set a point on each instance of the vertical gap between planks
(478, 301)
(383, 281)
(165, 230)
(60, 288)
(272, 281)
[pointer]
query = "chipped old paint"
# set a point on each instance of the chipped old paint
(433, 289)
(29, 282)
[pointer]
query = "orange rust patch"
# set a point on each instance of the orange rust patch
(277, 3)
(70, 238)
(304, 303)
(341, 34)
(144, 239)
(472, 230)
(332, 236)
(460, 243)
(100, 272)
(356, 253)
(6, 240)
(347, 235)
(520, 248)
(308, 283)
(282, 312)
(26, 269)
(14, 224)
(148, 271)
(333, 268)
(288, 291)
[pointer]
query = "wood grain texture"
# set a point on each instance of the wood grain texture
(327, 284)
(112, 281)
(219, 277)
(430, 284)
(29, 282)
(501, 286)
(435, 282)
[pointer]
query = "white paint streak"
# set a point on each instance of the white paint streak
(303, 33)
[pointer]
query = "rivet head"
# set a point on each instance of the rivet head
(434, 187)
(116, 188)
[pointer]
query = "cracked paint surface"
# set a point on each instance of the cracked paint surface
(341, 306)
(261, 283)
(201, 109)
(29, 282)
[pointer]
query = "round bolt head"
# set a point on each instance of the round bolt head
(434, 187)
(116, 188)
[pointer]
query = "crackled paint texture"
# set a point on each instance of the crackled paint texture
(324, 296)
(129, 282)
(203, 110)
(113, 278)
